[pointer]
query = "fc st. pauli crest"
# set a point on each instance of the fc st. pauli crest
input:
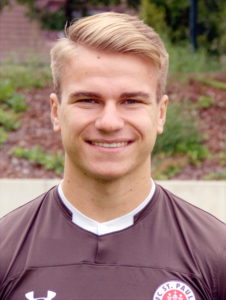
(174, 290)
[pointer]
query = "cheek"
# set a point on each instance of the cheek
(147, 122)
(67, 125)
(73, 125)
(67, 120)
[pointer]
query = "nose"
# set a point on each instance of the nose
(109, 119)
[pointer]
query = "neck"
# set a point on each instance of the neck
(106, 200)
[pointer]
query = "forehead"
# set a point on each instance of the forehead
(89, 68)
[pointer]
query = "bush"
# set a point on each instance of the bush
(10, 98)
(153, 15)
(205, 102)
(6, 90)
(9, 120)
(26, 76)
(39, 156)
(183, 59)
(181, 135)
(17, 102)
(11, 103)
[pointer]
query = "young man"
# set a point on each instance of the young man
(108, 232)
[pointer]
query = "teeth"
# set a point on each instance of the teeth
(110, 145)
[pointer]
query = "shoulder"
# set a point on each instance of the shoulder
(188, 212)
(16, 226)
(19, 216)
(198, 228)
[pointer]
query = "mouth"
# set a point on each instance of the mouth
(110, 144)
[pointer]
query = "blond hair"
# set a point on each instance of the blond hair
(113, 32)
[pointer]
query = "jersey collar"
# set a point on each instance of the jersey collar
(100, 228)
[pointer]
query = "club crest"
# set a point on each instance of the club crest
(174, 290)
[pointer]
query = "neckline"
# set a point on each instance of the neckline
(101, 228)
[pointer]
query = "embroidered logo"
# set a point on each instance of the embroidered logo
(174, 290)
(50, 296)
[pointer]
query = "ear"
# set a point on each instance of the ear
(162, 113)
(54, 107)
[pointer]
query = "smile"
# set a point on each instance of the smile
(110, 145)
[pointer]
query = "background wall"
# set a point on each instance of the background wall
(208, 195)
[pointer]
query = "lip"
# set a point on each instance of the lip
(109, 145)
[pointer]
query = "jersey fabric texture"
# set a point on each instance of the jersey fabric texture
(172, 251)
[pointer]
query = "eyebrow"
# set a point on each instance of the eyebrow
(135, 95)
(80, 94)
(84, 94)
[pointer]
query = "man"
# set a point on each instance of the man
(108, 232)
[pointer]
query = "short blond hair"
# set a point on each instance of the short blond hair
(112, 32)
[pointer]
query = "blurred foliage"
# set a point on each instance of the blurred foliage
(181, 143)
(205, 101)
(164, 167)
(9, 120)
(38, 155)
(183, 59)
(3, 3)
(11, 104)
(181, 135)
(172, 19)
(153, 15)
(216, 175)
(26, 75)
(214, 83)
(3, 136)
(11, 99)
(222, 156)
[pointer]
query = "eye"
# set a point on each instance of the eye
(131, 101)
(88, 100)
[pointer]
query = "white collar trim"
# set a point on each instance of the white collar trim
(101, 228)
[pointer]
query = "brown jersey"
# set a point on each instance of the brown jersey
(173, 251)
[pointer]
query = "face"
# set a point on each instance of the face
(108, 114)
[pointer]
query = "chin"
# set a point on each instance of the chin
(107, 174)
(107, 177)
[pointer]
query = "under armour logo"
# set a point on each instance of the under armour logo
(50, 296)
